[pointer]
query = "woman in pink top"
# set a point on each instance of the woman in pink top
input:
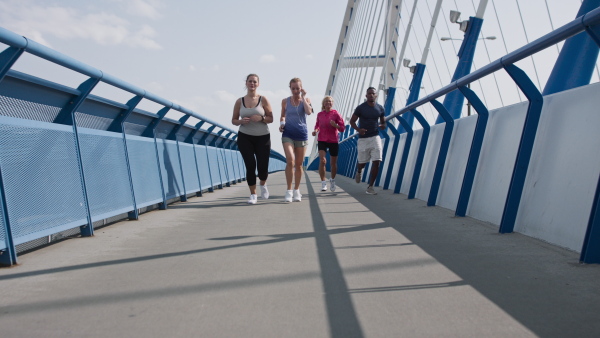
(329, 124)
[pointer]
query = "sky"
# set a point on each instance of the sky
(194, 53)
(198, 53)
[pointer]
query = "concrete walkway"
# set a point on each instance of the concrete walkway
(341, 264)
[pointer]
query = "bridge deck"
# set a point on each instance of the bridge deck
(341, 264)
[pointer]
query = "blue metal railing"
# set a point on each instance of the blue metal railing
(586, 23)
(69, 159)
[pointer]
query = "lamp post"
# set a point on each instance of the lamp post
(445, 38)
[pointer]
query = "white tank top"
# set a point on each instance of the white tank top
(253, 128)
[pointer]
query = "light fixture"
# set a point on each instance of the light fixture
(406, 63)
(454, 16)
(445, 38)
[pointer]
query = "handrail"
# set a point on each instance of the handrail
(14, 40)
(574, 27)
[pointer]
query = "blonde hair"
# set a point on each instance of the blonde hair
(295, 80)
(323, 102)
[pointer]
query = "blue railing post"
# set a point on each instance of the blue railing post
(202, 141)
(443, 153)
(220, 145)
(118, 126)
(8, 256)
(237, 159)
(190, 139)
(8, 57)
(474, 152)
(517, 182)
(173, 137)
(150, 131)
(420, 154)
(394, 152)
(213, 143)
(386, 143)
(404, 159)
(590, 252)
(67, 117)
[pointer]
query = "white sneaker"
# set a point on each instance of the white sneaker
(264, 192)
(324, 186)
(331, 184)
(288, 196)
(252, 199)
(371, 191)
(297, 196)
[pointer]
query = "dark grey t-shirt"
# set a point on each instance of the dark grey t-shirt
(368, 118)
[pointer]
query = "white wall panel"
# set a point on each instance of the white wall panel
(564, 168)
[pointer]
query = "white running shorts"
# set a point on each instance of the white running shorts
(369, 149)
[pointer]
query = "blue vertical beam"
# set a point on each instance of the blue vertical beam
(476, 144)
(443, 153)
(118, 126)
(577, 59)
(404, 159)
(67, 117)
(414, 91)
(420, 155)
(590, 252)
(150, 132)
(173, 137)
(517, 182)
(454, 100)
(8, 57)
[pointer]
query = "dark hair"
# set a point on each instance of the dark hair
(371, 88)
(247, 77)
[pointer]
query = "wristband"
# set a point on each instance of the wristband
(262, 118)
(281, 123)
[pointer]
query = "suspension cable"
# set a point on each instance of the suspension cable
(527, 40)
(504, 42)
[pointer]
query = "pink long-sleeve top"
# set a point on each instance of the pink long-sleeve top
(328, 133)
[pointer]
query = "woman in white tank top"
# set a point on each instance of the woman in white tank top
(252, 113)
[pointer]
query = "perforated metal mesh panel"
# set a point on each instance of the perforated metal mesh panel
(213, 162)
(188, 162)
(170, 168)
(105, 171)
(232, 167)
(27, 110)
(144, 170)
(43, 189)
(240, 164)
(134, 129)
(203, 167)
(93, 122)
(224, 165)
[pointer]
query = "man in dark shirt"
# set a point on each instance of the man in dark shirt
(371, 118)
